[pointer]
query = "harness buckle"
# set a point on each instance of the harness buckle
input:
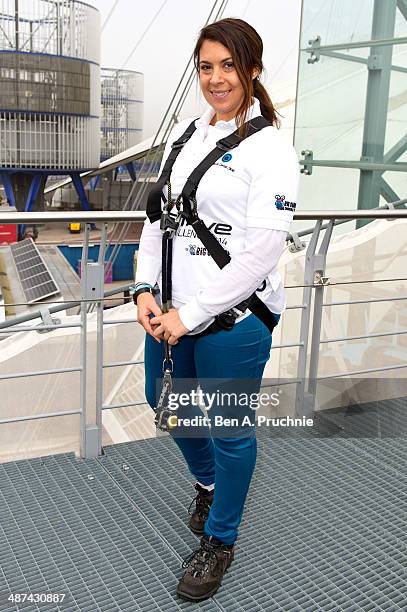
(169, 222)
(193, 213)
(226, 320)
(230, 142)
(178, 144)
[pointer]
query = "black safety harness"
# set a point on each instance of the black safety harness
(185, 207)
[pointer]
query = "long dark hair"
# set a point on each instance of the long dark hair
(246, 48)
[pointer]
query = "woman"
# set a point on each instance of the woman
(247, 200)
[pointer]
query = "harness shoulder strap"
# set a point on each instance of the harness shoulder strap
(215, 249)
(153, 208)
(222, 146)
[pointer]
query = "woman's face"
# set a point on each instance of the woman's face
(219, 80)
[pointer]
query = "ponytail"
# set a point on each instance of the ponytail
(266, 106)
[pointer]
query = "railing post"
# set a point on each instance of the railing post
(92, 284)
(319, 269)
(83, 355)
(315, 264)
(303, 399)
(99, 340)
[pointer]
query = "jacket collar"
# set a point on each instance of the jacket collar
(227, 126)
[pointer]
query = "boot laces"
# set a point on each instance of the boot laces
(201, 560)
(202, 505)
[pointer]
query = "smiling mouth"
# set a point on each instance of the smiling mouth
(220, 94)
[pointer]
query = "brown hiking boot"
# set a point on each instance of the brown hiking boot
(204, 569)
(203, 499)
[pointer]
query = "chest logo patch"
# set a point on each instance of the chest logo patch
(227, 158)
(281, 203)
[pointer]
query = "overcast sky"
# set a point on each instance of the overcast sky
(163, 53)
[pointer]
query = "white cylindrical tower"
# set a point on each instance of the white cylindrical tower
(49, 86)
(122, 110)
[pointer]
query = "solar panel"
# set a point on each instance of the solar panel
(35, 278)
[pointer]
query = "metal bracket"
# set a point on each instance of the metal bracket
(315, 55)
(320, 280)
(94, 286)
(47, 320)
(295, 244)
(375, 62)
(308, 157)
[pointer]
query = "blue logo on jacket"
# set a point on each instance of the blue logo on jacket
(281, 204)
(227, 157)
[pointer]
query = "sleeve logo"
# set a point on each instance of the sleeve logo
(281, 204)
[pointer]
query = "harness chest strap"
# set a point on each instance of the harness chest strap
(189, 190)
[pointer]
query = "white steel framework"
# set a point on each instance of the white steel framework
(49, 85)
(122, 110)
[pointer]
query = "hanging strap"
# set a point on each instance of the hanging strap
(156, 193)
(162, 412)
(166, 293)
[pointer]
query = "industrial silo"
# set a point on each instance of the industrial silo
(49, 95)
(122, 110)
(122, 97)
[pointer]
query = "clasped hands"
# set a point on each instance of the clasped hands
(161, 326)
(168, 326)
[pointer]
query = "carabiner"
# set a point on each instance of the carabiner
(168, 366)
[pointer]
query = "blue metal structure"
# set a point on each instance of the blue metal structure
(8, 188)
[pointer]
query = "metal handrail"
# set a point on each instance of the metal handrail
(126, 405)
(37, 327)
(5, 326)
(339, 217)
(372, 301)
(36, 314)
(102, 216)
(39, 373)
(388, 206)
(117, 364)
(33, 417)
(373, 335)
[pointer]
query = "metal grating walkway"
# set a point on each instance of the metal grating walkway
(325, 526)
